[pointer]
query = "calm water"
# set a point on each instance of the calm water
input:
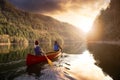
(78, 62)
(108, 58)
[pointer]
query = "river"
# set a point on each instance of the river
(107, 56)
(78, 62)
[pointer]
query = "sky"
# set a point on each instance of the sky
(80, 13)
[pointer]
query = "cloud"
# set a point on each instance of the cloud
(75, 12)
(53, 6)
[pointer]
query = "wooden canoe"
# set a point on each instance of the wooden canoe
(33, 59)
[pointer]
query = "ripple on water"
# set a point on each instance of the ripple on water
(71, 67)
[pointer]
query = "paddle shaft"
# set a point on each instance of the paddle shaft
(49, 61)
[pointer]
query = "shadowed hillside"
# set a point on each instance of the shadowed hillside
(20, 26)
(107, 25)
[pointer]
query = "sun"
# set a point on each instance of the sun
(81, 21)
(81, 16)
(85, 24)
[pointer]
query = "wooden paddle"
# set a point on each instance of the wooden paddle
(49, 61)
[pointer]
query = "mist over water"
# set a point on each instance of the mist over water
(83, 67)
(108, 57)
(69, 67)
(76, 63)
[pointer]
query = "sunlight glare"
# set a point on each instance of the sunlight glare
(81, 16)
(87, 57)
(81, 21)
(83, 67)
(85, 24)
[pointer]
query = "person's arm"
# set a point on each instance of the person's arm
(42, 52)
(60, 47)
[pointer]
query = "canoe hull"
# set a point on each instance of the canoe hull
(32, 59)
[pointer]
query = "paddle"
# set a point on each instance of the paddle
(49, 61)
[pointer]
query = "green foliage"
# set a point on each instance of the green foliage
(22, 26)
(4, 39)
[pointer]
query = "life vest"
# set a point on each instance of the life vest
(37, 50)
(56, 47)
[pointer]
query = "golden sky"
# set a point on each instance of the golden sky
(80, 13)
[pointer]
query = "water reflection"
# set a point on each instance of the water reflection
(83, 67)
(68, 67)
(108, 57)
(35, 69)
(5, 49)
(12, 60)
(74, 47)
(76, 63)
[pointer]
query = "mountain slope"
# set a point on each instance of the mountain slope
(20, 26)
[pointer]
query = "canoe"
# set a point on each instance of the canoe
(33, 59)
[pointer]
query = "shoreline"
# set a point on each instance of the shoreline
(105, 42)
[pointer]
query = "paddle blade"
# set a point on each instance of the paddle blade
(49, 62)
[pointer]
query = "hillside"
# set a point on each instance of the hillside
(107, 25)
(18, 26)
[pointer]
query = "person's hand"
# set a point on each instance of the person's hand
(43, 54)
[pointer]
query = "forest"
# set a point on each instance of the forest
(107, 25)
(18, 26)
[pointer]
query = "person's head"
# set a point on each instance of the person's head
(36, 42)
(55, 41)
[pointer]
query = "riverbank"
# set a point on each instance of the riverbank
(105, 42)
